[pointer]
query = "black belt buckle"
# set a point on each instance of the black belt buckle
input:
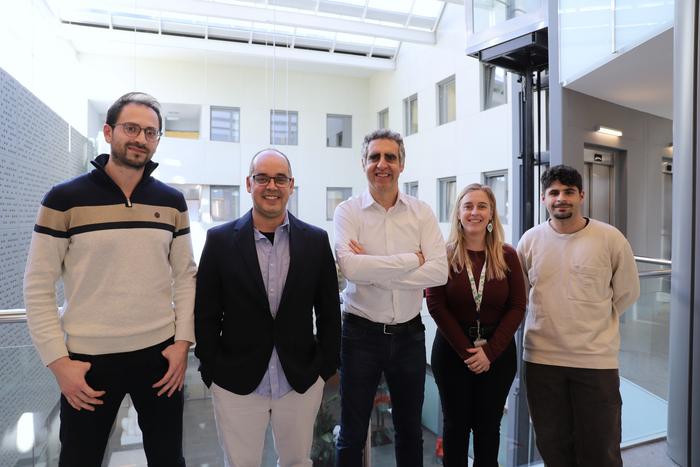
(384, 329)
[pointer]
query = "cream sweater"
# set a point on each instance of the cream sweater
(579, 285)
(126, 265)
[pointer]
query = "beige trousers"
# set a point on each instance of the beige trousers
(241, 422)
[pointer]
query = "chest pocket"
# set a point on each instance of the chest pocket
(588, 283)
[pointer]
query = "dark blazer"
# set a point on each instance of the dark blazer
(234, 328)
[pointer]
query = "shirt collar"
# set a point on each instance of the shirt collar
(367, 200)
(284, 226)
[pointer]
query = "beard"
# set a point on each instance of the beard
(119, 156)
(563, 215)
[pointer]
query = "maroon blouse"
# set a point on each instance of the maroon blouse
(503, 305)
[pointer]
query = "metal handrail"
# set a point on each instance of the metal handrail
(655, 273)
(17, 315)
(656, 261)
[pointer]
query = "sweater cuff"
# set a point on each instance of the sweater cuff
(51, 351)
(184, 331)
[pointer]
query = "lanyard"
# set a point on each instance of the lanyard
(478, 293)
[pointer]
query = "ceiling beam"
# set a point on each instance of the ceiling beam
(95, 39)
(270, 16)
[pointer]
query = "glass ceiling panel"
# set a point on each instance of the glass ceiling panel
(429, 8)
(399, 14)
(315, 33)
(390, 5)
(354, 38)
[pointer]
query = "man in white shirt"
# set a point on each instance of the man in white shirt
(582, 276)
(389, 248)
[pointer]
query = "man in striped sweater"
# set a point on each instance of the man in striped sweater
(119, 239)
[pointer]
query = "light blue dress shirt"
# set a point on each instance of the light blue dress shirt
(273, 259)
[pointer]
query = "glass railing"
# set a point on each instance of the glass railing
(644, 336)
(29, 409)
(591, 32)
(29, 398)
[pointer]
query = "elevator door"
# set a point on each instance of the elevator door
(598, 185)
(667, 207)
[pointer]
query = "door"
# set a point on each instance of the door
(599, 185)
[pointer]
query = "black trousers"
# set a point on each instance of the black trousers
(366, 354)
(471, 403)
(84, 434)
(577, 415)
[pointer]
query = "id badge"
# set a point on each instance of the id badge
(479, 342)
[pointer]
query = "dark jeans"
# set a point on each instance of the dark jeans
(84, 434)
(471, 402)
(576, 413)
(364, 355)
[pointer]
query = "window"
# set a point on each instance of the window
(338, 131)
(493, 84)
(447, 191)
(225, 124)
(335, 196)
(224, 202)
(383, 119)
(447, 100)
(293, 202)
(284, 127)
(193, 197)
(411, 188)
(498, 182)
(410, 115)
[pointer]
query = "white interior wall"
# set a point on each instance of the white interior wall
(45, 64)
(255, 91)
(645, 139)
(476, 142)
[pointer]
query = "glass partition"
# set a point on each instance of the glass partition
(591, 32)
(29, 394)
(28, 401)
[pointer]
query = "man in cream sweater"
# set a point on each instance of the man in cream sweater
(582, 276)
(119, 239)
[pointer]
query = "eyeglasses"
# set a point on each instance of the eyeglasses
(133, 130)
(263, 179)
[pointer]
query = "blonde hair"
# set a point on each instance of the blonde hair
(456, 244)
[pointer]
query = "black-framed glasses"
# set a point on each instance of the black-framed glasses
(133, 131)
(263, 179)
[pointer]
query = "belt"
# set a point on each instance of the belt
(472, 331)
(412, 325)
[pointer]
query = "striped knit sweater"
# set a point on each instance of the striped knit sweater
(126, 264)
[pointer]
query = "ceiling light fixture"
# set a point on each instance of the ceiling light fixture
(608, 131)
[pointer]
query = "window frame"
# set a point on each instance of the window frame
(346, 190)
(384, 113)
(236, 211)
(408, 123)
(292, 137)
(443, 107)
(446, 201)
(408, 188)
(487, 78)
(234, 128)
(349, 138)
(492, 175)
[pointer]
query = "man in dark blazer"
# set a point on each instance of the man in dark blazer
(262, 279)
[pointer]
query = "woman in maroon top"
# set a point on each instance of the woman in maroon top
(477, 313)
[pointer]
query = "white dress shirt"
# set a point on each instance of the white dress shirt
(385, 285)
